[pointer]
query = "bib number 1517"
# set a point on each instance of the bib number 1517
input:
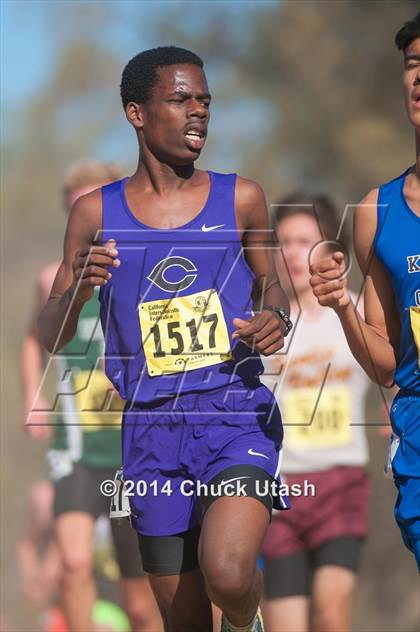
(173, 333)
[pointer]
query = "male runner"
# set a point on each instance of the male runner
(85, 448)
(179, 326)
(387, 341)
(312, 552)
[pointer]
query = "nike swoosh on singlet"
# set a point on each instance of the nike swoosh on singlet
(206, 229)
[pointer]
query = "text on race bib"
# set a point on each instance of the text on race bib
(184, 333)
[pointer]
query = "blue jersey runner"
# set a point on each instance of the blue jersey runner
(397, 246)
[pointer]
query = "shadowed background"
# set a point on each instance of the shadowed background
(306, 95)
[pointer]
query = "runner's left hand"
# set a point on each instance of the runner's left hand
(264, 332)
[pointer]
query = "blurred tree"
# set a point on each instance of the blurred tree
(332, 75)
(62, 122)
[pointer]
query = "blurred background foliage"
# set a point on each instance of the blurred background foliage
(307, 95)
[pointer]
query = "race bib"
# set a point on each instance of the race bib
(120, 503)
(415, 327)
(97, 402)
(184, 333)
(318, 425)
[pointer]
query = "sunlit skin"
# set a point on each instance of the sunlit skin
(166, 187)
(180, 103)
(411, 83)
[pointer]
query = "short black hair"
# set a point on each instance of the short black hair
(409, 32)
(139, 75)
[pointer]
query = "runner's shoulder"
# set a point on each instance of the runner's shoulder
(87, 211)
(366, 210)
(250, 202)
(365, 223)
(248, 189)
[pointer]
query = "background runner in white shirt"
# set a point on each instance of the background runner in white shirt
(313, 551)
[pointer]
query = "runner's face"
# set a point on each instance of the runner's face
(296, 235)
(412, 82)
(176, 116)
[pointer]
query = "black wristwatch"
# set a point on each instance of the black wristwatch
(284, 317)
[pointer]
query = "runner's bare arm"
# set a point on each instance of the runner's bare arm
(258, 241)
(266, 328)
(374, 339)
(31, 364)
(83, 267)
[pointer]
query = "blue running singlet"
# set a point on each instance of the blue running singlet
(397, 246)
(167, 311)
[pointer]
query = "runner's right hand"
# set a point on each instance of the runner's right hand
(90, 268)
(328, 281)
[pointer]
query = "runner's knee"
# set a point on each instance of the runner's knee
(77, 565)
(164, 590)
(139, 604)
(138, 614)
(331, 616)
(333, 613)
(227, 578)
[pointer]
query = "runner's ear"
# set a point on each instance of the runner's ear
(134, 115)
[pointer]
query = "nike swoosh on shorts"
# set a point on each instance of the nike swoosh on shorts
(251, 451)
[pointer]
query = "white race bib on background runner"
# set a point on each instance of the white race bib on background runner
(318, 424)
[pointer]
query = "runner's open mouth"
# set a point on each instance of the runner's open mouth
(195, 139)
